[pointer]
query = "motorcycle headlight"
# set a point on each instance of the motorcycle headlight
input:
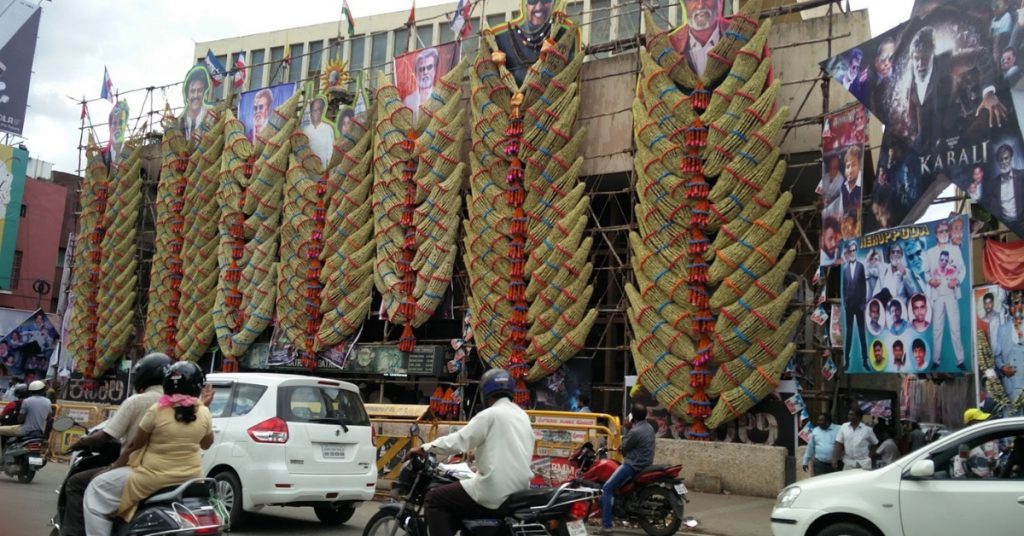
(787, 497)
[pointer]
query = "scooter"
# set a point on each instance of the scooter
(188, 509)
(537, 512)
(653, 499)
(23, 457)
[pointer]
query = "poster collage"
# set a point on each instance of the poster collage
(948, 87)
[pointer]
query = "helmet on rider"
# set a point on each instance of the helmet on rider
(149, 371)
(21, 391)
(497, 383)
(36, 387)
(184, 378)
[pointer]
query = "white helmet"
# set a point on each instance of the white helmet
(36, 386)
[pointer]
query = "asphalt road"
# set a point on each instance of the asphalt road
(25, 510)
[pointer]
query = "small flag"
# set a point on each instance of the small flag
(239, 73)
(107, 92)
(412, 15)
(84, 111)
(347, 13)
(215, 67)
(287, 52)
(460, 20)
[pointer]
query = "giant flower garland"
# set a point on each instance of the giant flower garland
(525, 252)
(417, 200)
(708, 305)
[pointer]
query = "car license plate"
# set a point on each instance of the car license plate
(681, 488)
(35, 460)
(334, 451)
(576, 528)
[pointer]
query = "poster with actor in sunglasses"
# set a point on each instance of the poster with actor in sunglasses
(416, 73)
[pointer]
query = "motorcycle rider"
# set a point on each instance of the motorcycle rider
(33, 415)
(9, 415)
(148, 377)
(503, 440)
(637, 454)
(165, 451)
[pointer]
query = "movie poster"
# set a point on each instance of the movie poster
(197, 94)
(906, 296)
(703, 26)
(843, 138)
(998, 315)
(25, 352)
(19, 27)
(944, 83)
(13, 163)
(416, 73)
(255, 107)
(898, 185)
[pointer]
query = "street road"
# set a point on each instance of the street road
(25, 510)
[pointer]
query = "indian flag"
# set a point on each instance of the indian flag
(347, 12)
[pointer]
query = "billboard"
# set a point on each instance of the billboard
(416, 73)
(255, 107)
(999, 317)
(947, 84)
(843, 138)
(906, 296)
(25, 352)
(19, 24)
(196, 92)
(13, 163)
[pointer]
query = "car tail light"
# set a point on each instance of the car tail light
(272, 430)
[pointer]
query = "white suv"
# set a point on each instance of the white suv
(288, 440)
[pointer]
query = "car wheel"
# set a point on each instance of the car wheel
(229, 488)
(334, 513)
(845, 529)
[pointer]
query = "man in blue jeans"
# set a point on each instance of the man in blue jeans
(637, 454)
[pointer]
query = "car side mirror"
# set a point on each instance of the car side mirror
(63, 424)
(923, 469)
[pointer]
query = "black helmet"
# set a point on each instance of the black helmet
(497, 382)
(21, 391)
(184, 378)
(149, 370)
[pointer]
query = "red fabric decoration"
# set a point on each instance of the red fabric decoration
(1004, 263)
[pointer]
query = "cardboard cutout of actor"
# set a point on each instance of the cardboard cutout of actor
(703, 27)
(418, 71)
(117, 124)
(999, 317)
(943, 82)
(320, 130)
(197, 96)
(521, 39)
(906, 299)
(255, 107)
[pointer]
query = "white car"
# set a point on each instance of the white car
(920, 493)
(289, 440)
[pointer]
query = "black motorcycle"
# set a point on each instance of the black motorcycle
(188, 509)
(23, 457)
(534, 512)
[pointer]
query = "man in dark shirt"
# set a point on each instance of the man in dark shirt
(637, 454)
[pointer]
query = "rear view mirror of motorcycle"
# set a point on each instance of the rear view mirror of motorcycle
(63, 424)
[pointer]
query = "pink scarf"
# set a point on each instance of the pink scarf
(177, 401)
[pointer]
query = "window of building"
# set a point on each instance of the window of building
(256, 59)
(337, 49)
(24, 210)
(424, 36)
(575, 11)
(295, 69)
(401, 42)
(379, 52)
(628, 14)
(276, 70)
(472, 43)
(356, 56)
(447, 35)
(218, 92)
(16, 270)
(495, 20)
(316, 58)
(600, 22)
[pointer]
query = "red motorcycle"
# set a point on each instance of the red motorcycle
(653, 499)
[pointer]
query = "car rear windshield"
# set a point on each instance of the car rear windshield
(320, 404)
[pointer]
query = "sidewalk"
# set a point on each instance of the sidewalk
(724, 515)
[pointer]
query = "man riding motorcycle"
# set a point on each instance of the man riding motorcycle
(33, 415)
(148, 375)
(502, 437)
(9, 415)
(638, 454)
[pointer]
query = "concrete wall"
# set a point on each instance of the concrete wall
(742, 469)
(38, 241)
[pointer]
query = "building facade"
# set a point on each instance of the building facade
(38, 248)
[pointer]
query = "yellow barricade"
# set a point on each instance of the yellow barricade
(87, 415)
(557, 434)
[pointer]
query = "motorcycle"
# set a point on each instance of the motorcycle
(653, 499)
(188, 509)
(23, 457)
(534, 512)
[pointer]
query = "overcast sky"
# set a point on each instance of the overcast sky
(149, 43)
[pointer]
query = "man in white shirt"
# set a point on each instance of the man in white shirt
(502, 438)
(946, 273)
(855, 443)
(426, 76)
(703, 30)
(320, 134)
